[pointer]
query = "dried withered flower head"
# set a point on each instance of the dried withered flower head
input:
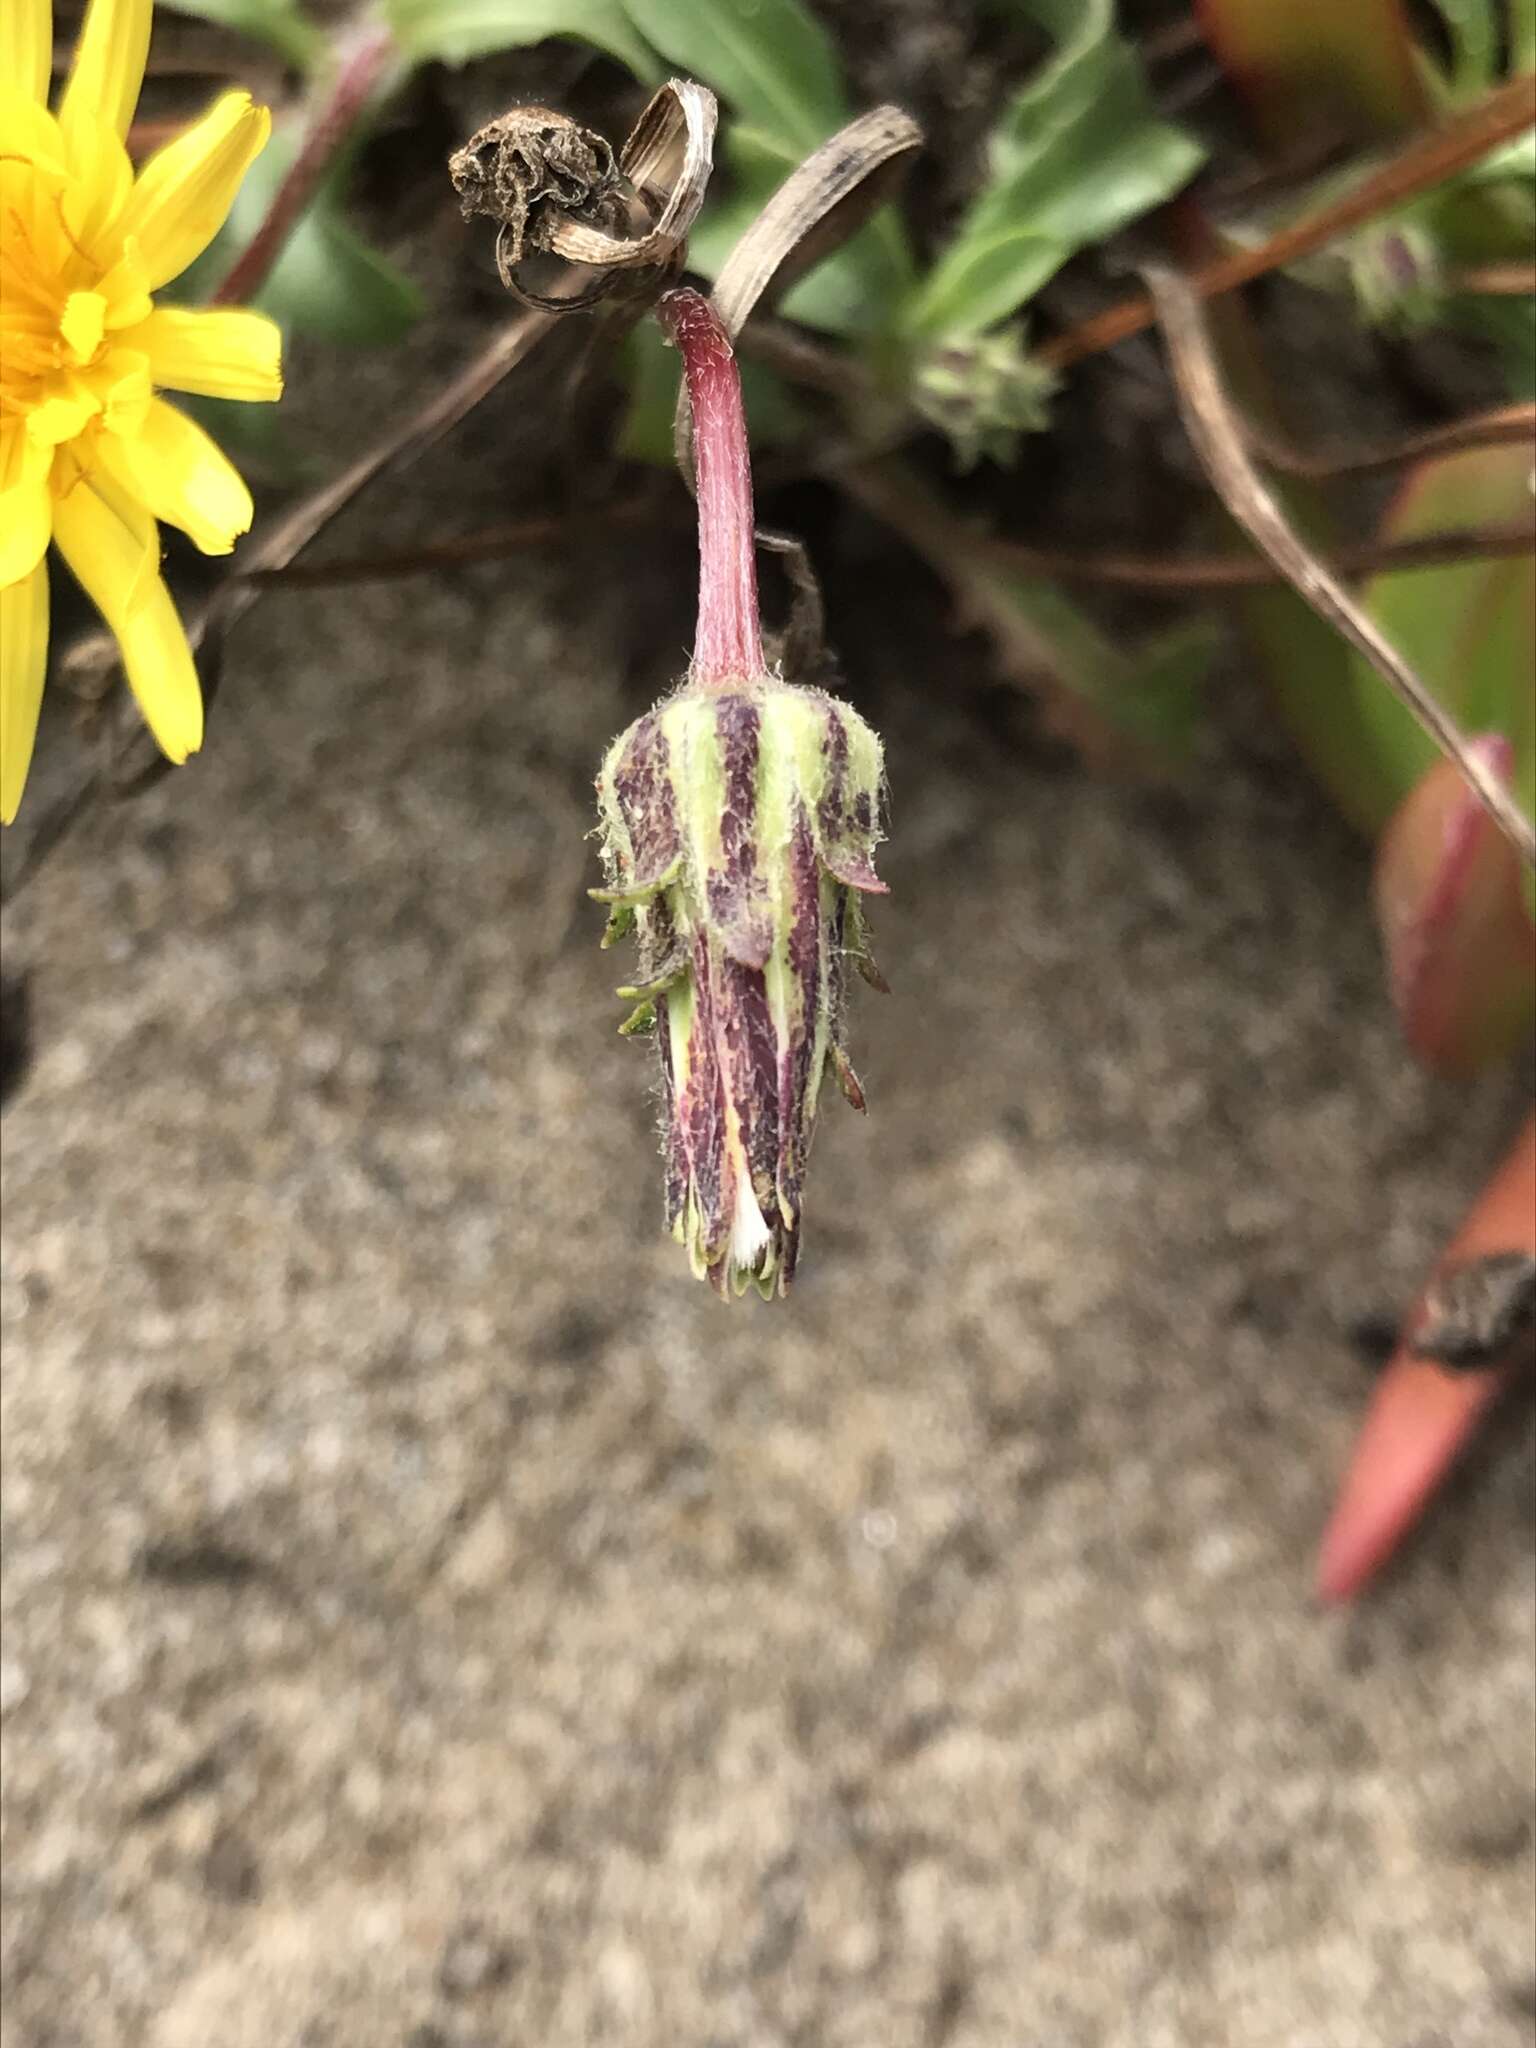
(739, 819)
(524, 160)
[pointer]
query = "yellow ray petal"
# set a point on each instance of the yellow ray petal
(32, 135)
(218, 352)
(23, 658)
(124, 289)
(99, 184)
(61, 416)
(183, 193)
(34, 247)
(22, 460)
(26, 515)
(185, 478)
(114, 558)
(121, 382)
(26, 47)
(109, 64)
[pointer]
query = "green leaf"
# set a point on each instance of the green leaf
(1468, 628)
(328, 281)
(1305, 666)
(454, 31)
(1078, 153)
(983, 278)
(1474, 37)
(282, 24)
(652, 375)
(1150, 699)
(1510, 325)
(770, 60)
(749, 168)
(1514, 163)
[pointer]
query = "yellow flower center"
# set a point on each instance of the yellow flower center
(59, 369)
(82, 325)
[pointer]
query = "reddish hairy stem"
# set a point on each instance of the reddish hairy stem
(729, 643)
(362, 62)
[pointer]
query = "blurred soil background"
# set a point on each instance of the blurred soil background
(432, 1621)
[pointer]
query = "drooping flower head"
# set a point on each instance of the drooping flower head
(739, 818)
(91, 457)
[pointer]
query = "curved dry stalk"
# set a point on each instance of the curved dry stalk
(1430, 158)
(1238, 573)
(1177, 572)
(481, 544)
(1499, 427)
(815, 210)
(818, 206)
(1218, 438)
(1495, 280)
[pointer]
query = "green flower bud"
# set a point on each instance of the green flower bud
(739, 819)
(983, 391)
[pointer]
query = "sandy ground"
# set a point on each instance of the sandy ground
(433, 1621)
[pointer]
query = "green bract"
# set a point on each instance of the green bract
(738, 827)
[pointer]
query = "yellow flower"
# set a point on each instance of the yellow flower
(90, 456)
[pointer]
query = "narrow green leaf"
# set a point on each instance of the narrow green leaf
(1078, 153)
(1474, 38)
(281, 24)
(454, 31)
(770, 60)
(1150, 699)
(651, 378)
(1305, 666)
(983, 278)
(330, 283)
